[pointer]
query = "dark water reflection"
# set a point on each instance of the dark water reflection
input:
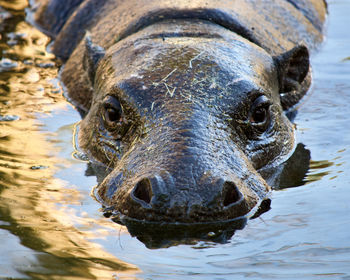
(51, 228)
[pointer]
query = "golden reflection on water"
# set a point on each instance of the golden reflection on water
(318, 170)
(33, 202)
(14, 4)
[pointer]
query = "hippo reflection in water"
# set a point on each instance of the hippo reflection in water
(185, 102)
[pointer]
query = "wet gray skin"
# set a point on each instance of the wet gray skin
(183, 102)
(185, 123)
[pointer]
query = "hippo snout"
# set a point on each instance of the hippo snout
(165, 197)
(151, 191)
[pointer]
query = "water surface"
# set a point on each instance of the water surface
(51, 227)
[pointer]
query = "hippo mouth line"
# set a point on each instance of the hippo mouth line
(125, 220)
(120, 218)
(215, 16)
(164, 234)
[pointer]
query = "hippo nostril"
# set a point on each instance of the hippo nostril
(143, 190)
(231, 194)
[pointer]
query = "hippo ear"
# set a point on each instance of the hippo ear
(92, 55)
(294, 81)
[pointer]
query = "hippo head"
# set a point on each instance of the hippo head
(186, 121)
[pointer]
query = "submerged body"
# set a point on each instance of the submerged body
(184, 101)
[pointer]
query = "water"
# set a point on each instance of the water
(51, 228)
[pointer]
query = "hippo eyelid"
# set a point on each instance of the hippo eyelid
(261, 100)
(259, 114)
(112, 102)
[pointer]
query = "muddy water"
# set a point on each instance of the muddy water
(51, 227)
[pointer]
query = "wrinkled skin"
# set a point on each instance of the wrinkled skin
(188, 118)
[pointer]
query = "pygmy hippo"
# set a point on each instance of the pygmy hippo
(184, 102)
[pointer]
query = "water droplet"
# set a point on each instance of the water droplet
(38, 167)
(211, 234)
(32, 76)
(9, 118)
(49, 64)
(7, 64)
(28, 62)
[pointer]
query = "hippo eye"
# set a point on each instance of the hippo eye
(112, 111)
(260, 112)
